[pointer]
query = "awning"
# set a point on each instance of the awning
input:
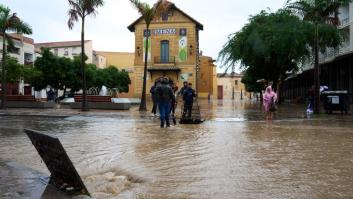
(163, 68)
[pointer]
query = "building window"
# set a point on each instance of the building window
(166, 15)
(66, 51)
(28, 58)
(13, 50)
(56, 51)
(165, 51)
(236, 82)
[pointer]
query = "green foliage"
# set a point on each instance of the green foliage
(273, 44)
(14, 70)
(62, 73)
(9, 22)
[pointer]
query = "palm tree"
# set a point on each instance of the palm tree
(318, 12)
(80, 9)
(148, 13)
(9, 22)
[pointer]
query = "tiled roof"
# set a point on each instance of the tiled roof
(22, 38)
(59, 44)
(198, 24)
(163, 68)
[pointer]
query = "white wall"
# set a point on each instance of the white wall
(73, 51)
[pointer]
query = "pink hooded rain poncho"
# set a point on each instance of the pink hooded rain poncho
(267, 97)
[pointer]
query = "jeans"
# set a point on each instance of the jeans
(164, 108)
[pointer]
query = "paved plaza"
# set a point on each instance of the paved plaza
(235, 153)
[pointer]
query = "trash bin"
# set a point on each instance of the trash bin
(336, 101)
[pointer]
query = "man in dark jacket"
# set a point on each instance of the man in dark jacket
(164, 97)
(185, 85)
(188, 97)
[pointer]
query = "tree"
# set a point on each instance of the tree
(318, 12)
(54, 71)
(81, 9)
(271, 45)
(148, 13)
(61, 73)
(9, 22)
(14, 70)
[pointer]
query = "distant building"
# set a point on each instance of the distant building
(99, 60)
(70, 49)
(230, 85)
(207, 80)
(123, 61)
(23, 51)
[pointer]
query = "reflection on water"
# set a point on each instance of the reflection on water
(234, 154)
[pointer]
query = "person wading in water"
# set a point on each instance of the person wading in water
(165, 97)
(269, 100)
(188, 97)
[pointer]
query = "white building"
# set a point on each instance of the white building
(346, 20)
(23, 51)
(70, 49)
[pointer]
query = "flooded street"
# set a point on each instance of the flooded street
(234, 154)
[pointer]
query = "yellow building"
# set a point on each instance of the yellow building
(229, 85)
(123, 61)
(207, 79)
(173, 49)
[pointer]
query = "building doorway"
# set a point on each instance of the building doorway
(165, 51)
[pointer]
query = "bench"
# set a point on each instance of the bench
(22, 98)
(27, 101)
(93, 98)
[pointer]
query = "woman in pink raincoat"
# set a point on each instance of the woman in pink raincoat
(268, 97)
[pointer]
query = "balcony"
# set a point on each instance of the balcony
(164, 60)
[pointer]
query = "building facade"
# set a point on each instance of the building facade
(207, 80)
(229, 86)
(173, 48)
(24, 52)
(336, 68)
(70, 49)
(123, 61)
(23, 49)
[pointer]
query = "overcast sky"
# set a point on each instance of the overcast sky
(109, 32)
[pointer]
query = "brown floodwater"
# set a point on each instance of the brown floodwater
(235, 153)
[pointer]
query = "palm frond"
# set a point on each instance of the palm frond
(15, 24)
(75, 6)
(89, 7)
(4, 16)
(73, 17)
